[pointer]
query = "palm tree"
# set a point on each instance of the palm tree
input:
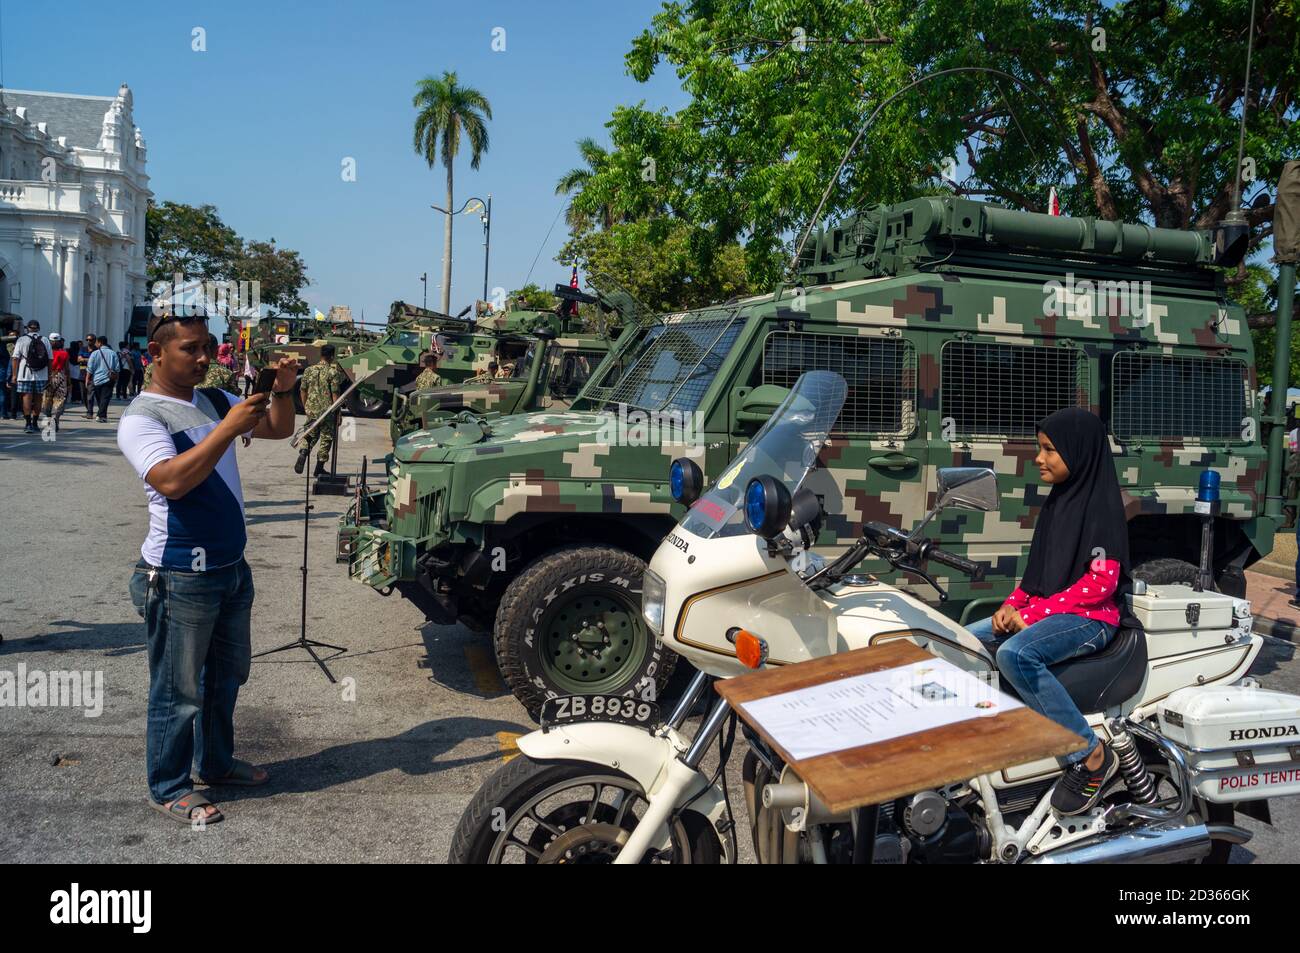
(445, 110)
(575, 180)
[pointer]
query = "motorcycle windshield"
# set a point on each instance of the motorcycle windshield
(785, 448)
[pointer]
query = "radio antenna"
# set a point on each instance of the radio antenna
(1235, 214)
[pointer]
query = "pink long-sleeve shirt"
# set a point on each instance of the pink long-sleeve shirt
(1092, 597)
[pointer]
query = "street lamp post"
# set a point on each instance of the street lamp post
(485, 216)
(424, 280)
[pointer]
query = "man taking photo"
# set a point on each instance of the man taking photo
(192, 586)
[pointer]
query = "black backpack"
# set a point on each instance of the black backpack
(38, 359)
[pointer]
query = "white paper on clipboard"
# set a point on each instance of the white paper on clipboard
(876, 706)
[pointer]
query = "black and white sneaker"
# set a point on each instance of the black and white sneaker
(1080, 787)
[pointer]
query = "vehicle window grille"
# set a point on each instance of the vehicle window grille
(1002, 391)
(672, 367)
(1160, 396)
(880, 372)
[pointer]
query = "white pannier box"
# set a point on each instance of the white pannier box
(1178, 619)
(1241, 742)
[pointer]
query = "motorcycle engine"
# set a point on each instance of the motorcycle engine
(937, 831)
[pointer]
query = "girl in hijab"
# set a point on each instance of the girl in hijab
(1066, 605)
(226, 356)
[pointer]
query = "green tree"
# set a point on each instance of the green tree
(188, 240)
(280, 273)
(193, 242)
(575, 180)
(1130, 109)
(666, 264)
(533, 296)
(445, 110)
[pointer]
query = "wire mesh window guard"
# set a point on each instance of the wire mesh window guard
(672, 367)
(1002, 391)
(1160, 396)
(880, 372)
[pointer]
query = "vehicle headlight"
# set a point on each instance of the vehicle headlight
(652, 602)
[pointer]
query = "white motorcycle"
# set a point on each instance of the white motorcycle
(734, 587)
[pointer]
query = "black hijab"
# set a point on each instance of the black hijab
(1081, 515)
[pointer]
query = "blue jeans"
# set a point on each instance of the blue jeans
(199, 644)
(1023, 659)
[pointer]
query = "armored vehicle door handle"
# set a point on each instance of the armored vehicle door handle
(893, 461)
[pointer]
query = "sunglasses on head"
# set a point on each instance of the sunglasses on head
(179, 318)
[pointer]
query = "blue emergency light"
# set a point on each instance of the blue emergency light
(1207, 490)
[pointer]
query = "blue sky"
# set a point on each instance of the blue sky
(259, 124)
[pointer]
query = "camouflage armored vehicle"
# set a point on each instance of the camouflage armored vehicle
(468, 348)
(273, 338)
(558, 359)
(957, 325)
(285, 336)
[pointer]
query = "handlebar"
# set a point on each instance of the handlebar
(882, 534)
(974, 570)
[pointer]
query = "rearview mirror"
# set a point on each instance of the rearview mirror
(972, 488)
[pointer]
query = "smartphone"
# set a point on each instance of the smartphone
(265, 380)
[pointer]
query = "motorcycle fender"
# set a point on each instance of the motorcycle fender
(636, 753)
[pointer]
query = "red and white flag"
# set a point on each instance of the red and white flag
(573, 283)
(1053, 202)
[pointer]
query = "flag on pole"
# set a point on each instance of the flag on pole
(573, 283)
(1053, 202)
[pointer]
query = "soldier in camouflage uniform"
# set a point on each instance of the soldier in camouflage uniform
(218, 375)
(489, 375)
(322, 384)
(428, 378)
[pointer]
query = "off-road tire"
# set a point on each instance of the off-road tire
(1166, 572)
(358, 408)
(521, 779)
(518, 644)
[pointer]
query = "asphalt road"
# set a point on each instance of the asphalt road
(377, 767)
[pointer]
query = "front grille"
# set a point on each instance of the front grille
(1160, 396)
(1002, 391)
(880, 373)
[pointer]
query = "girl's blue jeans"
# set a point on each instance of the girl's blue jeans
(1023, 659)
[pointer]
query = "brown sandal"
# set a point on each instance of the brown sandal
(182, 809)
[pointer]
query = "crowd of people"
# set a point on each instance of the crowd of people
(40, 374)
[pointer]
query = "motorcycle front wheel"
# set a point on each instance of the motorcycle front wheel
(567, 812)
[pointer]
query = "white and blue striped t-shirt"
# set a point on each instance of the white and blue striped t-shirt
(204, 529)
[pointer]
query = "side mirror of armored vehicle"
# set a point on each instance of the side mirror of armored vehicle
(767, 506)
(544, 333)
(761, 403)
(972, 488)
(685, 481)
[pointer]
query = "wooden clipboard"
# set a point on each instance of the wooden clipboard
(878, 773)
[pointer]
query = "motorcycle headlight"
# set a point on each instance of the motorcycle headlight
(652, 601)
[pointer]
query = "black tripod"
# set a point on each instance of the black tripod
(302, 642)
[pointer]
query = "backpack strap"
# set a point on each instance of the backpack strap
(217, 398)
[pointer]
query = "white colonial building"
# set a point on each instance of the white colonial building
(73, 194)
